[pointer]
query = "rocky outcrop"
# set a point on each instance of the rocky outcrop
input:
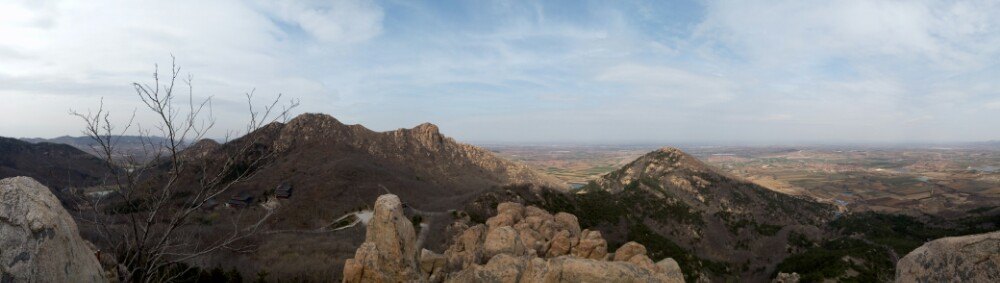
(422, 148)
(389, 253)
(39, 241)
(519, 244)
(974, 258)
(786, 278)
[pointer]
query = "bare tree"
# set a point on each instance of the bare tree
(147, 225)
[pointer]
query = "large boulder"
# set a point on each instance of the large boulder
(973, 258)
(39, 241)
(467, 248)
(389, 253)
(503, 240)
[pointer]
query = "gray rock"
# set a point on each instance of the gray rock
(40, 241)
(973, 258)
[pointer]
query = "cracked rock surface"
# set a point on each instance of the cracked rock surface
(972, 258)
(39, 241)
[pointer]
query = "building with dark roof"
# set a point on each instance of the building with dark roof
(283, 191)
(240, 200)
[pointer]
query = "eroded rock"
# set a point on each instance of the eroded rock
(39, 241)
(389, 253)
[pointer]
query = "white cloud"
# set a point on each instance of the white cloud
(666, 82)
(949, 35)
(348, 21)
(91, 49)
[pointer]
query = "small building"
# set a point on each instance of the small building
(240, 200)
(283, 191)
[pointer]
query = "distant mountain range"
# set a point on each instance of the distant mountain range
(140, 148)
(55, 165)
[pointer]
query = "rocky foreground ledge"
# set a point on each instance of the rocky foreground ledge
(973, 258)
(519, 244)
(39, 241)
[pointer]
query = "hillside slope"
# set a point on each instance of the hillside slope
(56, 166)
(714, 225)
(336, 169)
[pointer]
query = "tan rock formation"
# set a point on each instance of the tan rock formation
(973, 258)
(40, 241)
(508, 249)
(389, 253)
(591, 245)
(628, 250)
(786, 278)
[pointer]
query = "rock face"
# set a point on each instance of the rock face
(39, 241)
(517, 245)
(423, 149)
(973, 258)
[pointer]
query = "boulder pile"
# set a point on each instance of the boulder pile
(519, 244)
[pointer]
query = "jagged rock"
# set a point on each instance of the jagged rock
(560, 244)
(644, 262)
(572, 269)
(529, 237)
(786, 278)
(568, 222)
(40, 241)
(628, 250)
(432, 264)
(973, 258)
(535, 211)
(467, 249)
(510, 253)
(389, 253)
(591, 245)
(503, 240)
(670, 267)
(501, 268)
(500, 220)
(515, 210)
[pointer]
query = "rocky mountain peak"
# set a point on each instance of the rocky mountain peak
(427, 128)
(311, 123)
(661, 164)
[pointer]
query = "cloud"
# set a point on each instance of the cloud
(330, 22)
(666, 82)
(530, 71)
(946, 35)
(96, 48)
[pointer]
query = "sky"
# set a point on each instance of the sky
(605, 72)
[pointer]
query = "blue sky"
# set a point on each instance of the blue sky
(532, 71)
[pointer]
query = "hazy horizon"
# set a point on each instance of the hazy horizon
(511, 72)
